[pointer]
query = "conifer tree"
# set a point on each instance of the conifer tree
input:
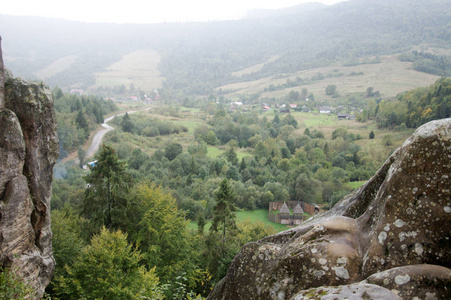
(232, 156)
(224, 210)
(243, 164)
(81, 121)
(127, 124)
(107, 183)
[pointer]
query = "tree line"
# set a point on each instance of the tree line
(413, 108)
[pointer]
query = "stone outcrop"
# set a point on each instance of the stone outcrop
(390, 239)
(28, 152)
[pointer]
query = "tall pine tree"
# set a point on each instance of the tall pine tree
(224, 210)
(107, 185)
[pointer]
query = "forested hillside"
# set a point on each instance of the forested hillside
(197, 57)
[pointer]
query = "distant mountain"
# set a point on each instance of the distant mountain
(298, 9)
(194, 58)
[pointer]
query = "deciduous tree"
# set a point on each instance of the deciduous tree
(331, 89)
(109, 268)
(173, 150)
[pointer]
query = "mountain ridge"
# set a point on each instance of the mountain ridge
(198, 57)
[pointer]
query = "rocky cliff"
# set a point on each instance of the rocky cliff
(390, 239)
(28, 151)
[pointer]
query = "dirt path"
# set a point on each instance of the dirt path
(98, 137)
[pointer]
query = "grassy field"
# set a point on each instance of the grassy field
(139, 68)
(390, 77)
(356, 184)
(190, 124)
(259, 215)
(315, 119)
(214, 152)
(374, 147)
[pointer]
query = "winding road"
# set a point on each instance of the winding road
(98, 137)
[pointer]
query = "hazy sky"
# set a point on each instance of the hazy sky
(140, 11)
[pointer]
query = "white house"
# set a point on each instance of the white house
(324, 110)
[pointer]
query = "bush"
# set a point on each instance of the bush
(12, 287)
(387, 140)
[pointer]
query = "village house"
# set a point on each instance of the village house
(291, 212)
(324, 110)
(266, 108)
(346, 116)
(77, 92)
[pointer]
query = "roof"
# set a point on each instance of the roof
(298, 209)
(284, 209)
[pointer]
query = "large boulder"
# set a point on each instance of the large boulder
(390, 239)
(28, 152)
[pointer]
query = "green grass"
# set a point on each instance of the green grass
(214, 152)
(191, 110)
(190, 124)
(192, 225)
(259, 215)
(356, 184)
(240, 155)
(315, 120)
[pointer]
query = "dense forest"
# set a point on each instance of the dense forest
(198, 57)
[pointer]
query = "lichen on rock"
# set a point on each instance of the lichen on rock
(390, 239)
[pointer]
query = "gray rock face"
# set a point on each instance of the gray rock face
(2, 77)
(390, 239)
(28, 152)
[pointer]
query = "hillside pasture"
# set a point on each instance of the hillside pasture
(139, 68)
(390, 77)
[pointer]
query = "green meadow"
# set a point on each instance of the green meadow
(259, 215)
